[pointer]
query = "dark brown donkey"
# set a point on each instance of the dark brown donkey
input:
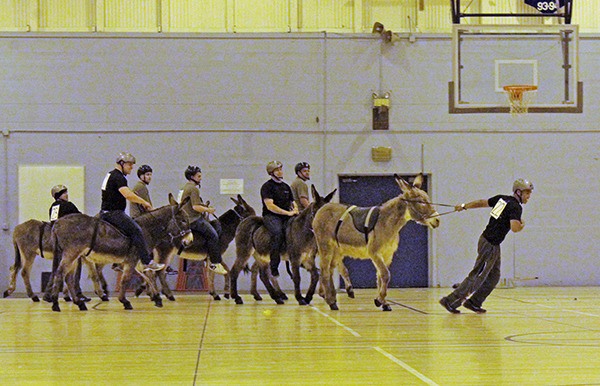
(33, 238)
(252, 238)
(229, 222)
(337, 235)
(99, 242)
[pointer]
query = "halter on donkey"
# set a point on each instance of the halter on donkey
(72, 239)
(197, 251)
(253, 239)
(376, 241)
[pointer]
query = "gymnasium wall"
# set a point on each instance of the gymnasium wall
(231, 103)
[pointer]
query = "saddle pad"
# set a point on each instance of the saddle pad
(364, 219)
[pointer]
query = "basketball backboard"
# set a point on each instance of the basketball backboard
(488, 57)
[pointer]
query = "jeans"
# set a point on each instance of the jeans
(211, 237)
(276, 227)
(131, 229)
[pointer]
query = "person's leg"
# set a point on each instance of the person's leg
(275, 225)
(479, 273)
(213, 245)
(486, 288)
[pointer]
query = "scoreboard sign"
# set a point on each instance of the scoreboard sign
(546, 6)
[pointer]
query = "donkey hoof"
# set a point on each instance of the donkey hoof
(35, 298)
(67, 298)
(308, 299)
(138, 292)
(104, 298)
(386, 307)
(283, 296)
(302, 302)
(334, 307)
(84, 298)
(127, 305)
(238, 300)
(6, 294)
(82, 306)
(350, 294)
(378, 303)
(216, 297)
(257, 297)
(279, 301)
(226, 296)
(158, 303)
(55, 307)
(170, 297)
(47, 298)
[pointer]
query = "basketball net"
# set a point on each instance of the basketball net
(519, 97)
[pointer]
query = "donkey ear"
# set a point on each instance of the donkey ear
(404, 186)
(185, 201)
(418, 181)
(172, 200)
(237, 202)
(314, 192)
(330, 196)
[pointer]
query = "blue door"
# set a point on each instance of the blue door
(409, 266)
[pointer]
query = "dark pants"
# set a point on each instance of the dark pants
(276, 227)
(482, 280)
(131, 229)
(211, 237)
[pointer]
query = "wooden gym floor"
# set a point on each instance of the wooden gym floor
(530, 336)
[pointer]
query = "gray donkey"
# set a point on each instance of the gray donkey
(252, 238)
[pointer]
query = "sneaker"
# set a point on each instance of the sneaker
(446, 304)
(470, 306)
(218, 268)
(151, 266)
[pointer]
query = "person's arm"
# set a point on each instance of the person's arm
(132, 197)
(304, 201)
(516, 225)
(270, 204)
(203, 209)
(483, 203)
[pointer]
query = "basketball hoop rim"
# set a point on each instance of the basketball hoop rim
(520, 88)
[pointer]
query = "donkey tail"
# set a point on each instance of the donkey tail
(245, 232)
(18, 264)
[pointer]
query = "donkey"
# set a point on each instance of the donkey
(337, 235)
(252, 238)
(229, 222)
(99, 242)
(33, 238)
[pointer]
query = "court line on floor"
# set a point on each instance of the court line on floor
(405, 366)
(356, 334)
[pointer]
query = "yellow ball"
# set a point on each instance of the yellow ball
(267, 312)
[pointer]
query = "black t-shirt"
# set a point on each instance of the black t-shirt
(280, 193)
(504, 209)
(112, 199)
(61, 208)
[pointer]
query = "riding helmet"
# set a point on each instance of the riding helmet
(143, 170)
(191, 170)
(300, 166)
(58, 191)
(522, 184)
(271, 166)
(124, 157)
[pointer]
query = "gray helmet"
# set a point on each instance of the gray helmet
(522, 184)
(271, 166)
(58, 191)
(125, 157)
(191, 170)
(300, 166)
(143, 170)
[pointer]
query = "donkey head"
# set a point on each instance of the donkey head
(179, 224)
(242, 208)
(319, 201)
(418, 202)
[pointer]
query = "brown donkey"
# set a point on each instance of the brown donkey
(33, 238)
(337, 236)
(229, 222)
(99, 242)
(252, 238)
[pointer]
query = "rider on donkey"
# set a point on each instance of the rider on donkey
(115, 195)
(194, 209)
(278, 206)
